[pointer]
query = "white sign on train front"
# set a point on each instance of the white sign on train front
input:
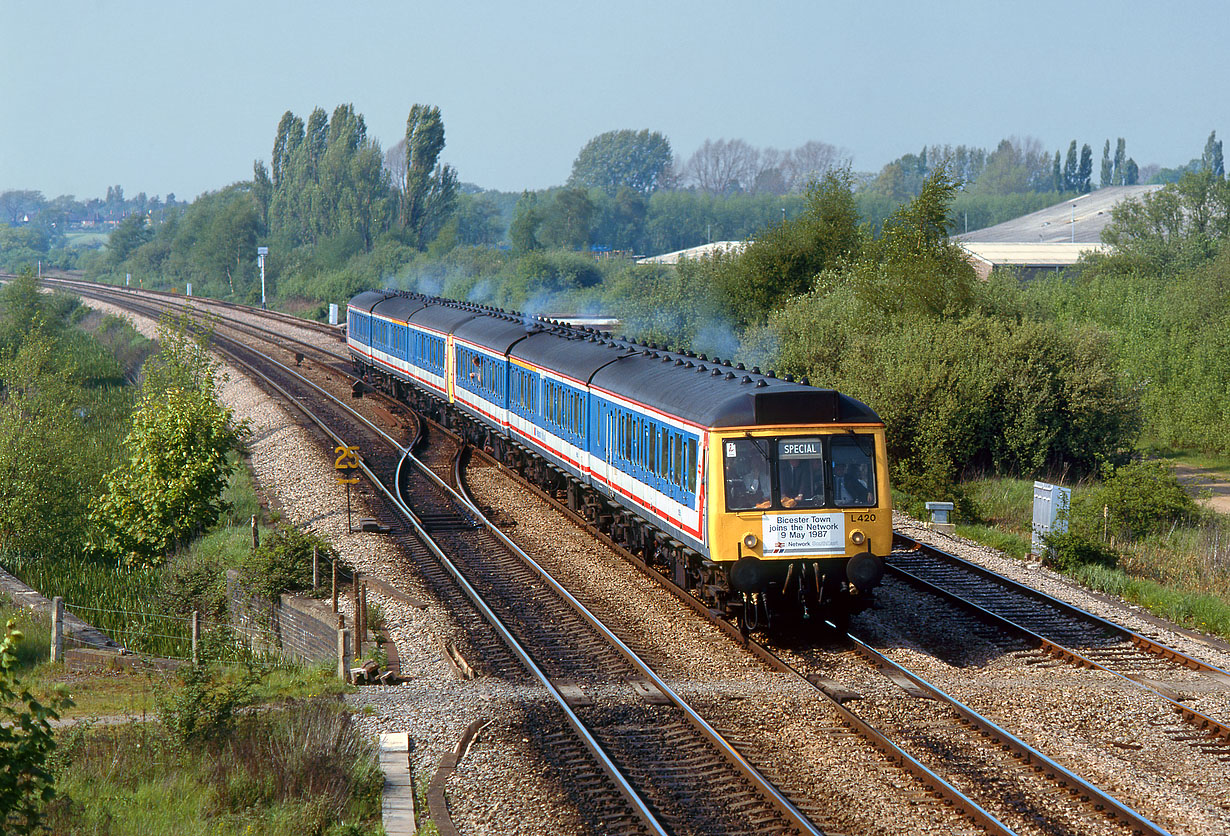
(804, 533)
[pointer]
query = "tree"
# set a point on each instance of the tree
(1118, 172)
(131, 233)
(1131, 173)
(1108, 171)
(26, 741)
(1057, 182)
(44, 483)
(624, 158)
(527, 218)
(566, 220)
(1071, 165)
(15, 205)
(1085, 172)
(430, 189)
(1015, 166)
(810, 163)
(1211, 159)
(723, 167)
(178, 456)
(785, 258)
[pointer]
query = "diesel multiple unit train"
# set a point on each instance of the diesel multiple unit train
(759, 495)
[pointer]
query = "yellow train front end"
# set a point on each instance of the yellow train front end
(801, 518)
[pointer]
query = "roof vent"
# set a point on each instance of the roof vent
(678, 362)
(772, 373)
(655, 355)
(746, 379)
(688, 364)
(729, 376)
(645, 353)
(790, 378)
(804, 382)
(761, 383)
(706, 359)
(717, 359)
(740, 367)
(717, 372)
(755, 369)
(701, 369)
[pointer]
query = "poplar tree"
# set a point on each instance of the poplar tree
(430, 188)
(1120, 160)
(1070, 182)
(1085, 173)
(1107, 169)
(1212, 159)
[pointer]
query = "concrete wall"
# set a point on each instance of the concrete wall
(304, 628)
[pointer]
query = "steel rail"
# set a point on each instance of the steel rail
(1029, 753)
(1196, 718)
(932, 780)
(110, 293)
(605, 762)
(784, 806)
(1143, 642)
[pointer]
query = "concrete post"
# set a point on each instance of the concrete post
(315, 569)
(57, 629)
(363, 613)
(343, 655)
(334, 562)
(196, 636)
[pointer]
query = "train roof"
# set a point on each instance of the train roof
(716, 395)
(704, 392)
(368, 299)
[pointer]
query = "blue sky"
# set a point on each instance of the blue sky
(178, 97)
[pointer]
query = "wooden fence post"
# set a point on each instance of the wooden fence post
(363, 612)
(57, 629)
(256, 534)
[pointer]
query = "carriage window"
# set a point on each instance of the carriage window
(800, 472)
(746, 466)
(853, 470)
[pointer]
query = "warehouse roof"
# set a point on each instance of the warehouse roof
(1079, 220)
(695, 252)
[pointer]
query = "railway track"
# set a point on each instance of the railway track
(647, 761)
(1071, 634)
(457, 520)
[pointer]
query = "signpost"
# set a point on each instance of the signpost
(346, 465)
(261, 252)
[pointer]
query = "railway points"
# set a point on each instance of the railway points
(750, 745)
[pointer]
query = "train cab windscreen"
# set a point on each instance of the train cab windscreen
(799, 472)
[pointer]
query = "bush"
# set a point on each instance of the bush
(283, 562)
(1068, 551)
(204, 707)
(1142, 498)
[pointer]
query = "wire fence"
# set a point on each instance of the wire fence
(170, 636)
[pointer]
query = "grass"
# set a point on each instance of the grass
(1182, 574)
(1192, 458)
(291, 771)
(148, 609)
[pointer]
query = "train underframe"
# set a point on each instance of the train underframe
(789, 594)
